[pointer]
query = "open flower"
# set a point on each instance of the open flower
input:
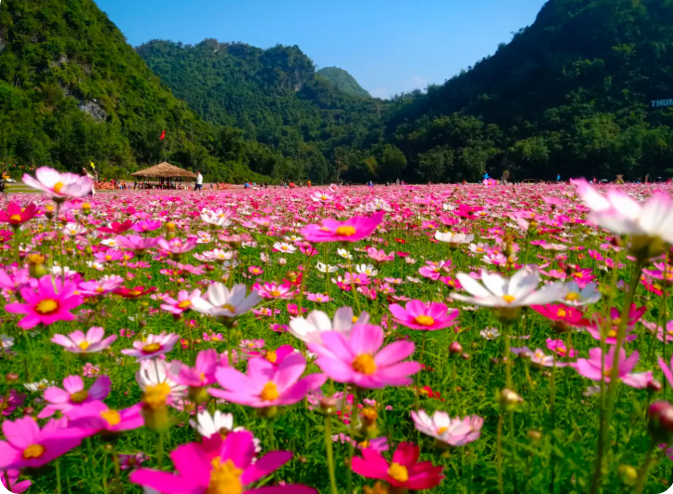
(50, 303)
(266, 385)
(360, 360)
(229, 469)
(351, 230)
(28, 446)
(156, 374)
(136, 292)
(591, 367)
(576, 296)
(57, 185)
(182, 304)
(405, 471)
(428, 317)
(176, 245)
(16, 216)
(154, 346)
(97, 416)
(203, 372)
(309, 330)
(562, 316)
(78, 342)
(220, 301)
(73, 395)
(611, 327)
(274, 290)
(456, 432)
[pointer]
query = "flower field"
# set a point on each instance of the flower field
(456, 338)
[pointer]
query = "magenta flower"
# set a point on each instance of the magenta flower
(146, 226)
(175, 246)
(28, 446)
(227, 469)
(274, 290)
(100, 287)
(276, 357)
(14, 487)
(351, 230)
(360, 360)
(560, 349)
(428, 317)
(97, 416)
(405, 472)
(182, 304)
(110, 255)
(591, 367)
(635, 313)
(380, 255)
(51, 303)
(668, 373)
(266, 385)
(155, 346)
(203, 372)
(57, 185)
(14, 400)
(73, 395)
(78, 342)
(136, 243)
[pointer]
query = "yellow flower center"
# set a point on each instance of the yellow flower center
(369, 414)
(111, 416)
(108, 257)
(324, 198)
(617, 321)
(480, 249)
(424, 320)
(79, 397)
(152, 348)
(58, 186)
(84, 345)
(47, 306)
(155, 396)
(398, 472)
(184, 304)
(612, 333)
(607, 372)
(561, 312)
(561, 351)
(270, 392)
(364, 364)
(225, 478)
(508, 298)
(442, 430)
(275, 293)
(345, 231)
(572, 297)
(33, 451)
(99, 289)
(15, 218)
(229, 307)
(135, 293)
(271, 356)
(354, 319)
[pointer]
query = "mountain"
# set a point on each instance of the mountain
(343, 81)
(571, 94)
(73, 91)
(274, 96)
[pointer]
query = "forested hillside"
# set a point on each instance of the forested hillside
(343, 81)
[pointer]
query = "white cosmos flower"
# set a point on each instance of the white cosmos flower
(6, 341)
(156, 372)
(217, 218)
(489, 333)
(480, 248)
(326, 268)
(454, 238)
(344, 253)
(221, 301)
(39, 386)
(207, 425)
(577, 297)
(367, 269)
(285, 247)
(519, 291)
(74, 229)
(308, 330)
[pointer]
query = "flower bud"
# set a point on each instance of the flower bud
(28, 411)
(455, 348)
(660, 424)
(465, 356)
(534, 435)
(509, 399)
(328, 404)
(11, 378)
(628, 475)
(198, 394)
(291, 276)
(654, 386)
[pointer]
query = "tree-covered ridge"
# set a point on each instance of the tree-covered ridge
(343, 81)
(73, 91)
(274, 96)
(570, 94)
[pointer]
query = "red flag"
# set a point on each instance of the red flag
(163, 134)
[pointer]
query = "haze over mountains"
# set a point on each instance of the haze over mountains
(570, 95)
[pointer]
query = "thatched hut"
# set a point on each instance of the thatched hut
(165, 173)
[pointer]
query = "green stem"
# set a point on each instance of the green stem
(160, 450)
(330, 453)
(507, 359)
(498, 455)
(58, 477)
(645, 468)
(351, 433)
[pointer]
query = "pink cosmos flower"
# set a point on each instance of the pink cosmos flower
(405, 471)
(380, 255)
(57, 185)
(51, 303)
(116, 227)
(14, 281)
(103, 286)
(219, 466)
(155, 346)
(265, 385)
(176, 245)
(428, 317)
(28, 446)
(13, 401)
(136, 242)
(16, 215)
(78, 342)
(583, 277)
(661, 333)
(274, 290)
(203, 372)
(559, 347)
(360, 360)
(276, 357)
(537, 357)
(110, 255)
(14, 487)
(351, 230)
(146, 226)
(182, 304)
(456, 432)
(73, 395)
(433, 270)
(591, 367)
(97, 416)
(635, 313)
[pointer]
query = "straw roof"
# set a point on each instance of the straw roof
(164, 170)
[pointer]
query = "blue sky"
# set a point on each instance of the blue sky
(388, 46)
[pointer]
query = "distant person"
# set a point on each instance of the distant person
(93, 180)
(199, 181)
(558, 177)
